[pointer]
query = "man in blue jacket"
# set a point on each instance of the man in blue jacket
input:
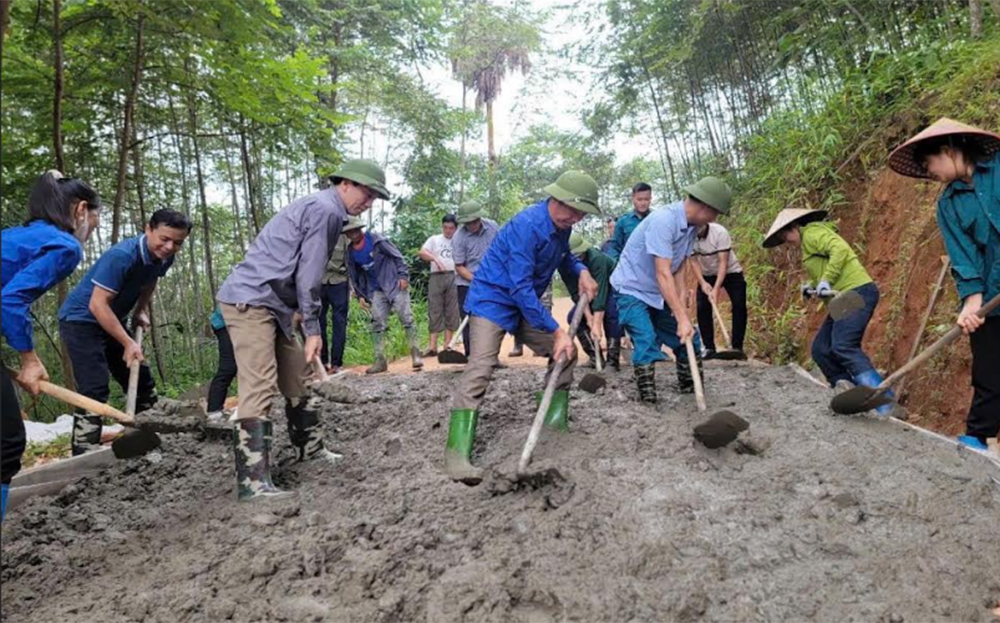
(381, 281)
(505, 297)
(642, 199)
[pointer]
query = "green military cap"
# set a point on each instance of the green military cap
(352, 222)
(578, 244)
(364, 172)
(576, 189)
(469, 211)
(713, 192)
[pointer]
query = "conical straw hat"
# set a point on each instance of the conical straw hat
(902, 159)
(790, 216)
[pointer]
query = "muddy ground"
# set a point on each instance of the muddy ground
(811, 518)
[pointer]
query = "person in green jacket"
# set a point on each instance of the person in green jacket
(832, 266)
(601, 319)
(967, 161)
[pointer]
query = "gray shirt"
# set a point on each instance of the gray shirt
(468, 249)
(284, 268)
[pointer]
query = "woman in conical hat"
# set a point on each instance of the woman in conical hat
(967, 161)
(832, 266)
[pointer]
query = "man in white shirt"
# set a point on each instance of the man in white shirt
(718, 268)
(442, 294)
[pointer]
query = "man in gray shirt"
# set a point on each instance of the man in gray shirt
(468, 247)
(282, 275)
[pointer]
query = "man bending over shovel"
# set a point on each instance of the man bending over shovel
(283, 274)
(505, 298)
(601, 320)
(650, 304)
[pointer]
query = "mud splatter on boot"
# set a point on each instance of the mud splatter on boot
(380, 365)
(86, 433)
(411, 336)
(305, 431)
(252, 447)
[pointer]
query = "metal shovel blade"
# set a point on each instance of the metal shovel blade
(845, 304)
(859, 399)
(452, 356)
(591, 383)
(730, 355)
(135, 443)
(720, 429)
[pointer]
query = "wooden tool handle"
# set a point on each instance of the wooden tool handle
(943, 341)
(91, 405)
(722, 324)
(458, 333)
(699, 389)
(550, 389)
(133, 378)
(317, 363)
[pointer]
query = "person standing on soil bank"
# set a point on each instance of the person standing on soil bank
(62, 212)
(505, 298)
(92, 321)
(718, 268)
(642, 199)
(967, 160)
(650, 298)
(442, 294)
(468, 248)
(832, 266)
(226, 371)
(381, 281)
(336, 296)
(282, 275)
(601, 318)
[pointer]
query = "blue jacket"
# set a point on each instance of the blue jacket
(517, 269)
(389, 267)
(36, 257)
(969, 218)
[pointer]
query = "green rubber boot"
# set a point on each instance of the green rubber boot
(557, 418)
(461, 435)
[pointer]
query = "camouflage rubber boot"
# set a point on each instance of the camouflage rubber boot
(252, 447)
(685, 382)
(411, 336)
(615, 353)
(461, 435)
(380, 365)
(305, 431)
(557, 417)
(86, 433)
(645, 380)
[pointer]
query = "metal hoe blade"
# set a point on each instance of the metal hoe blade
(859, 399)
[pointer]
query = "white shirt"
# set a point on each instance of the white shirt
(441, 247)
(707, 251)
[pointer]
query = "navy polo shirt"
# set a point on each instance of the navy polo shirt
(124, 269)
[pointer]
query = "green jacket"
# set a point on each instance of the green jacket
(828, 257)
(336, 266)
(600, 266)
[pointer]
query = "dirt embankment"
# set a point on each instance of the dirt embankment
(813, 518)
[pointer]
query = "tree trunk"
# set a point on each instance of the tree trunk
(207, 230)
(663, 130)
(4, 20)
(996, 8)
(236, 201)
(976, 18)
(490, 146)
(461, 173)
(248, 179)
(116, 217)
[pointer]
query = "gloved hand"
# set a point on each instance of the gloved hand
(823, 290)
(807, 290)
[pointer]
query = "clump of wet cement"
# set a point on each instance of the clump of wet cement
(838, 519)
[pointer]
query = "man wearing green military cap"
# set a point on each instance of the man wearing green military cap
(601, 316)
(282, 275)
(505, 298)
(468, 247)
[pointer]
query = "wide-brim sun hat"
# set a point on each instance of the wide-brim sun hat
(576, 189)
(365, 172)
(578, 244)
(790, 216)
(713, 192)
(903, 159)
(470, 211)
(352, 223)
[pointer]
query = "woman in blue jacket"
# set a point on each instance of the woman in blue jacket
(62, 212)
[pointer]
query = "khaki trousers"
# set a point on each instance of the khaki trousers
(486, 339)
(267, 362)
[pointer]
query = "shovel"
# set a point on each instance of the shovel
(593, 382)
(453, 356)
(860, 399)
(842, 304)
(550, 388)
(729, 354)
(136, 442)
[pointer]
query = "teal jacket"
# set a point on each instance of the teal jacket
(623, 229)
(969, 218)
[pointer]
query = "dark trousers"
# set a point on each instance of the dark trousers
(836, 349)
(463, 291)
(224, 374)
(612, 329)
(338, 297)
(736, 287)
(984, 415)
(12, 438)
(96, 356)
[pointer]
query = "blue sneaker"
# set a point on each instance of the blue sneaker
(871, 378)
(972, 442)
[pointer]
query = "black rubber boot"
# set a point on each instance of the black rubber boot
(86, 433)
(615, 353)
(645, 379)
(304, 429)
(252, 447)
